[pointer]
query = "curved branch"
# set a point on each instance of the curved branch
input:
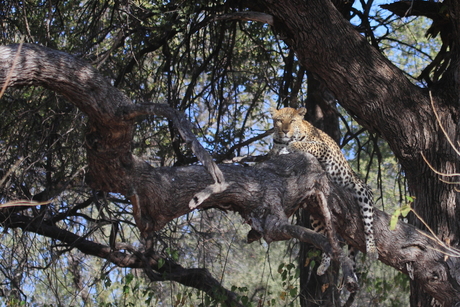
(78, 81)
(319, 241)
(377, 98)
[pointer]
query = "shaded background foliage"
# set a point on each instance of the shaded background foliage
(223, 74)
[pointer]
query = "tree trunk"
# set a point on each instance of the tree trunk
(435, 201)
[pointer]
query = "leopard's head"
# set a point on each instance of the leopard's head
(288, 123)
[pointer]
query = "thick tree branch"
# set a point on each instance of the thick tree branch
(40, 66)
(109, 110)
(380, 98)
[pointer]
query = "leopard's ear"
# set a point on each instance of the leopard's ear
(272, 111)
(302, 111)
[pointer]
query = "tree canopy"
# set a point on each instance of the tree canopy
(121, 119)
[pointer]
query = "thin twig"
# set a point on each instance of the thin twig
(23, 203)
(435, 238)
(438, 172)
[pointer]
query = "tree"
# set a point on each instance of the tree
(378, 95)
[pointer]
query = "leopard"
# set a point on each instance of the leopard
(293, 134)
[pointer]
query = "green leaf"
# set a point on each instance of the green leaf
(175, 255)
(402, 211)
(129, 278)
(293, 292)
(280, 267)
(410, 199)
(161, 263)
(394, 219)
(405, 210)
(284, 275)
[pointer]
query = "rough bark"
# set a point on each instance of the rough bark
(265, 195)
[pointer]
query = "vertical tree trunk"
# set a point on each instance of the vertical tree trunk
(323, 115)
(436, 202)
(320, 105)
(316, 291)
